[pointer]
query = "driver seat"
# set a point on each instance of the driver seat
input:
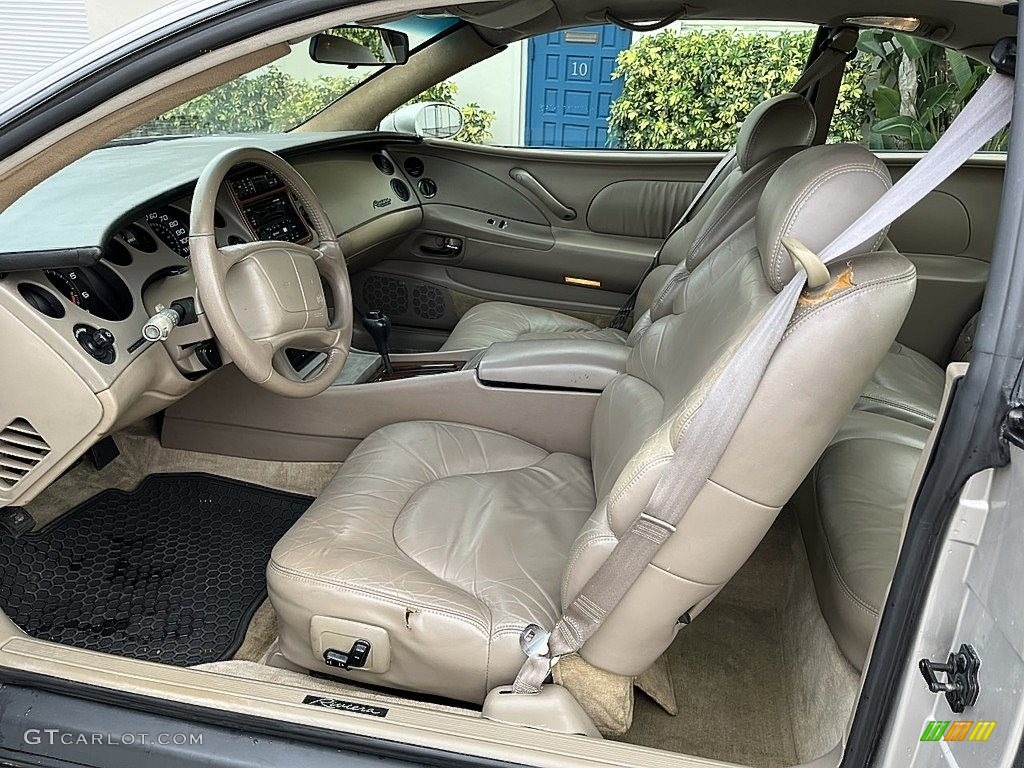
(439, 542)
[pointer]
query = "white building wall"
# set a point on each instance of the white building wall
(107, 15)
(498, 84)
(34, 35)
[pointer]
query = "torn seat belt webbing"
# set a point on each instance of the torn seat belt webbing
(833, 56)
(705, 437)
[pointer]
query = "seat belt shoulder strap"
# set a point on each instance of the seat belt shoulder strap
(707, 434)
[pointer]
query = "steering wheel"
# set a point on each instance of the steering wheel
(262, 298)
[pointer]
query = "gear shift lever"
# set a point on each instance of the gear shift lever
(378, 325)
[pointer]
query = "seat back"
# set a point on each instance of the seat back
(774, 131)
(837, 337)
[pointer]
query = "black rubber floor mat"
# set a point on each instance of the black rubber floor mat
(172, 571)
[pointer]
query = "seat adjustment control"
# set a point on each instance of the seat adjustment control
(354, 658)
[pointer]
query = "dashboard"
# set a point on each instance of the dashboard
(103, 306)
(72, 315)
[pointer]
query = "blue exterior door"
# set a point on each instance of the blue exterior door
(569, 89)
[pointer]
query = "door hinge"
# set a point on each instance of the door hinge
(961, 672)
(1013, 426)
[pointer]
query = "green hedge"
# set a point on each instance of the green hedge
(692, 89)
(272, 101)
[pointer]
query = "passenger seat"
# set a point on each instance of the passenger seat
(774, 131)
(851, 506)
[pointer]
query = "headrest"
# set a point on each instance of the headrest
(783, 121)
(814, 197)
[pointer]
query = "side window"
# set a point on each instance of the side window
(687, 87)
(901, 93)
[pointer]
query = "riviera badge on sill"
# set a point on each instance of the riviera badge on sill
(346, 706)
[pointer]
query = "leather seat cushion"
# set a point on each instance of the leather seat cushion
(450, 537)
(906, 386)
(852, 511)
(492, 321)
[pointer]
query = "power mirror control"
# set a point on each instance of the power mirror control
(98, 342)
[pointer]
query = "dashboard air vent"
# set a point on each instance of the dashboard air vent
(21, 450)
(400, 189)
(384, 165)
(414, 167)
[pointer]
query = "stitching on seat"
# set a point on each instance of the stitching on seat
(860, 290)
(580, 550)
(382, 596)
(830, 559)
(640, 471)
(469, 592)
(743, 188)
(775, 256)
(804, 195)
(898, 405)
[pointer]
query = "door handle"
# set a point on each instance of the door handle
(529, 182)
(444, 246)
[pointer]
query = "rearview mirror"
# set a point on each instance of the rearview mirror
(432, 119)
(360, 46)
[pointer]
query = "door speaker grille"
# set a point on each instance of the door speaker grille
(388, 294)
(428, 302)
(21, 450)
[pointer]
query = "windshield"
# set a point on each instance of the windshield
(278, 96)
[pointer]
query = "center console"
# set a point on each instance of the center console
(543, 392)
(567, 364)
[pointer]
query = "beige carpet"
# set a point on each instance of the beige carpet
(142, 454)
(758, 678)
(260, 636)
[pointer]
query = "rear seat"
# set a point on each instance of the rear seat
(851, 506)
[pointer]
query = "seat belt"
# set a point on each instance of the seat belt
(704, 439)
(622, 316)
(842, 46)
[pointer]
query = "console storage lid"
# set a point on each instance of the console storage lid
(578, 364)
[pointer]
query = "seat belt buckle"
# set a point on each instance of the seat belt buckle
(534, 641)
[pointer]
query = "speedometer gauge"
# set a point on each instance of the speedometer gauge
(171, 226)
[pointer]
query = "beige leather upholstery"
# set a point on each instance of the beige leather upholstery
(449, 537)
(778, 123)
(851, 513)
(838, 193)
(775, 130)
(493, 321)
(446, 540)
(852, 505)
(561, 363)
(906, 386)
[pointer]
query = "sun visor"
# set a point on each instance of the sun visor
(504, 14)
